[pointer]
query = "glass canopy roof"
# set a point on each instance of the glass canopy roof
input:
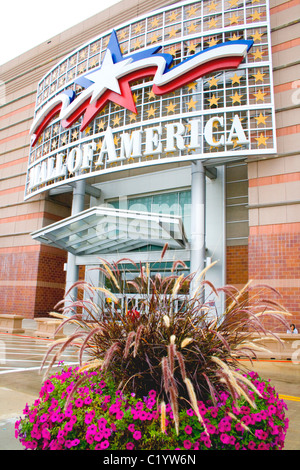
(108, 230)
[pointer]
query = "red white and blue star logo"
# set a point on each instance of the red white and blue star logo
(111, 81)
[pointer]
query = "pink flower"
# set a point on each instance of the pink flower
(104, 445)
(79, 403)
(187, 444)
(225, 438)
(188, 429)
(137, 435)
(131, 427)
(130, 446)
(251, 445)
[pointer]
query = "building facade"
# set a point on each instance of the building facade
(203, 155)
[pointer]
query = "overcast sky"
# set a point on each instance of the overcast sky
(27, 23)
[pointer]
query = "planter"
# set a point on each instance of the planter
(11, 323)
(97, 417)
(46, 328)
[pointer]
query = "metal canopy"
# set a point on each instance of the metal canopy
(107, 230)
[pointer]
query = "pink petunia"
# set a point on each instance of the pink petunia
(137, 435)
(130, 446)
(187, 444)
(188, 429)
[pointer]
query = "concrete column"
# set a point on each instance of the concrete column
(72, 268)
(197, 221)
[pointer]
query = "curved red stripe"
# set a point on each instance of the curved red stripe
(198, 72)
(45, 122)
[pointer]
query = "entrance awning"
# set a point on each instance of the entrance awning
(107, 230)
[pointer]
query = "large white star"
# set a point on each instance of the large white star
(107, 76)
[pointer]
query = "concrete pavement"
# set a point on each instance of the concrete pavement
(20, 382)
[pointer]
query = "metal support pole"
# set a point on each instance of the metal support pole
(197, 222)
(72, 268)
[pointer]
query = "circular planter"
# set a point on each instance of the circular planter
(96, 416)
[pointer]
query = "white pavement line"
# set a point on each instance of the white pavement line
(31, 368)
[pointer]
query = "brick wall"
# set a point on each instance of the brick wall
(31, 281)
(237, 265)
(274, 260)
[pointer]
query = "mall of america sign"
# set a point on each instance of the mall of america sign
(187, 82)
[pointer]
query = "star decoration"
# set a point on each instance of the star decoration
(192, 86)
(213, 101)
(256, 16)
(234, 38)
(192, 104)
(233, 3)
(212, 6)
(151, 111)
(116, 120)
(173, 16)
(256, 36)
(261, 140)
(213, 82)
(192, 11)
(192, 48)
(212, 23)
(116, 140)
(257, 54)
(75, 135)
(212, 42)
(87, 130)
(171, 107)
(192, 28)
(132, 117)
(100, 125)
(259, 76)
(234, 19)
(173, 33)
(236, 79)
(236, 98)
(261, 119)
(260, 96)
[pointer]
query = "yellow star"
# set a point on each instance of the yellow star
(233, 3)
(261, 140)
(213, 101)
(236, 98)
(192, 11)
(234, 19)
(212, 23)
(75, 135)
(154, 38)
(213, 82)
(100, 126)
(257, 54)
(173, 32)
(122, 35)
(137, 44)
(192, 48)
(99, 145)
(192, 28)
(192, 86)
(259, 76)
(116, 140)
(116, 120)
(192, 104)
(212, 42)
(151, 111)
(256, 16)
(260, 96)
(135, 97)
(133, 117)
(151, 94)
(261, 119)
(64, 139)
(212, 6)
(138, 29)
(173, 16)
(171, 107)
(236, 79)
(87, 130)
(256, 36)
(154, 23)
(234, 38)
(235, 142)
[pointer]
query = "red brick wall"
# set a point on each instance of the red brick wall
(274, 260)
(31, 280)
(237, 265)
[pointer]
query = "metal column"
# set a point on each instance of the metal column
(72, 268)
(197, 221)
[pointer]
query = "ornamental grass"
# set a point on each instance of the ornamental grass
(171, 370)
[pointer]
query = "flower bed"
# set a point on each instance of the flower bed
(97, 417)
